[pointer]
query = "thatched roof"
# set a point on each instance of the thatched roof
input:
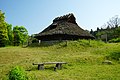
(64, 25)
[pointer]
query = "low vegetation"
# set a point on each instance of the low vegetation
(109, 31)
(17, 73)
(84, 58)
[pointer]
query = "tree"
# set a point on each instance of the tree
(114, 22)
(3, 30)
(23, 34)
(98, 29)
(10, 34)
(16, 34)
(109, 31)
(20, 35)
(92, 32)
(108, 28)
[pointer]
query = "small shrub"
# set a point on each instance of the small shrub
(17, 73)
(114, 40)
(114, 55)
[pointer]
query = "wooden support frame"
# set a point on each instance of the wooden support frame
(41, 65)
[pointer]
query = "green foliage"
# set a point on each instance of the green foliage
(20, 35)
(3, 30)
(84, 60)
(111, 33)
(114, 40)
(17, 73)
(115, 54)
(16, 33)
(10, 34)
(111, 29)
(84, 43)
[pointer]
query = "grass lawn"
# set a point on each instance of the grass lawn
(84, 61)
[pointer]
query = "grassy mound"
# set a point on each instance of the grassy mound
(84, 58)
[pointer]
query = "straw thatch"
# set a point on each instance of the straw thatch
(63, 28)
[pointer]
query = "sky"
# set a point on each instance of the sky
(36, 15)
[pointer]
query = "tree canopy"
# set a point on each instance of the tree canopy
(10, 35)
(110, 32)
(3, 30)
(20, 35)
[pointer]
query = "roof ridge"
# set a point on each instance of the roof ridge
(68, 17)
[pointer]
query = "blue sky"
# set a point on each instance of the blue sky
(36, 15)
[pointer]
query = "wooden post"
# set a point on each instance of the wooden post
(40, 66)
(55, 68)
(59, 66)
(106, 37)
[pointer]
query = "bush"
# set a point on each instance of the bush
(114, 55)
(17, 73)
(114, 40)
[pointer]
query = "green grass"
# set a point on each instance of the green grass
(84, 60)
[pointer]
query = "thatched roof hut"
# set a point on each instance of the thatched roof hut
(63, 28)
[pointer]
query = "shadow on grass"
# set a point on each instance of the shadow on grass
(50, 68)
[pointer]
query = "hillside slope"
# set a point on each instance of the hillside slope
(84, 60)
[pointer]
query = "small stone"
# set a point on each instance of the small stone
(107, 62)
